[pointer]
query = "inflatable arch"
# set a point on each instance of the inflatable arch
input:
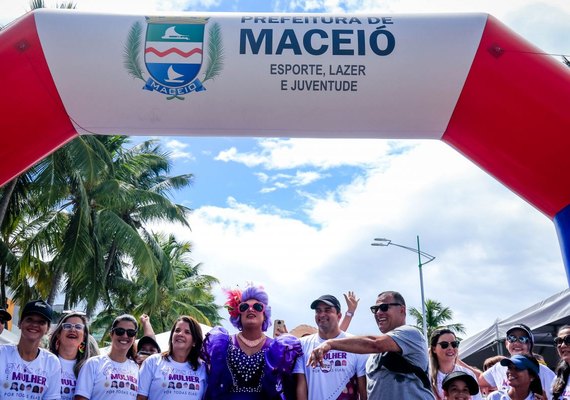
(465, 79)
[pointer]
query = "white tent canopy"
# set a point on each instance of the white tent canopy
(544, 318)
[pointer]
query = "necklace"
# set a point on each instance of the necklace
(251, 343)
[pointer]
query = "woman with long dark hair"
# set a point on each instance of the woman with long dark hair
(561, 385)
(112, 376)
(249, 365)
(179, 365)
(69, 341)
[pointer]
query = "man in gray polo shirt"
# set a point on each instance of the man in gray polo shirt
(398, 360)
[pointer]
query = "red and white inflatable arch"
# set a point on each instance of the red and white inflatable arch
(465, 79)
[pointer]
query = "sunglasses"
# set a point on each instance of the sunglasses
(382, 307)
(514, 339)
(121, 332)
(445, 345)
(259, 307)
(559, 340)
(67, 326)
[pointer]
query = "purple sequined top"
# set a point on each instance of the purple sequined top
(247, 371)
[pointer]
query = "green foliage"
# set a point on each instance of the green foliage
(437, 317)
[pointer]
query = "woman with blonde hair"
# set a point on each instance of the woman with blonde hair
(69, 341)
(443, 355)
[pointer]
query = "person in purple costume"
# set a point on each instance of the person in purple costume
(249, 365)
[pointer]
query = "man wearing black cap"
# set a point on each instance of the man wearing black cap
(398, 363)
(341, 372)
(4, 318)
(519, 340)
(26, 363)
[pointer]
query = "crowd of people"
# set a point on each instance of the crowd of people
(320, 364)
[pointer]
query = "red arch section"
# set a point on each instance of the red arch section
(512, 118)
(34, 119)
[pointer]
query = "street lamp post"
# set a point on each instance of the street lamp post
(429, 257)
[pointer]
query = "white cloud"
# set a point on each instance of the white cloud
(296, 153)
(176, 149)
(488, 242)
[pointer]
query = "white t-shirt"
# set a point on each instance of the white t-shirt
(161, 379)
(496, 376)
(330, 382)
(503, 395)
(101, 378)
(566, 393)
(441, 376)
(36, 379)
(68, 380)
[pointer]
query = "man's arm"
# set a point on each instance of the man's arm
(355, 344)
(362, 388)
(301, 383)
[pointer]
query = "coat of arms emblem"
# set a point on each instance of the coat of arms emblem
(174, 54)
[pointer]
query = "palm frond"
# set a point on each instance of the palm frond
(131, 51)
(215, 52)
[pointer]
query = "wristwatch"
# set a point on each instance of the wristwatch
(349, 314)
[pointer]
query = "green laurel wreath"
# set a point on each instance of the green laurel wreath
(132, 51)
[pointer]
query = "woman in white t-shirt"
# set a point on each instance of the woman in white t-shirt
(561, 385)
(69, 342)
(178, 373)
(443, 353)
(113, 376)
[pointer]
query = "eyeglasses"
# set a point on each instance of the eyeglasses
(259, 307)
(121, 332)
(445, 345)
(67, 326)
(559, 340)
(514, 339)
(382, 307)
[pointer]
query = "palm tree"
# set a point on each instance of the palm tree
(437, 317)
(181, 288)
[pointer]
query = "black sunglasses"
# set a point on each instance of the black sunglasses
(445, 345)
(382, 307)
(243, 307)
(121, 332)
(514, 339)
(559, 340)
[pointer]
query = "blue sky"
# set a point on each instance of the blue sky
(298, 215)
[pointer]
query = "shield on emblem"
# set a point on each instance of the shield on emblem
(173, 49)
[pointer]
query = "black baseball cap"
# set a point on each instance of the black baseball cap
(462, 376)
(39, 307)
(148, 340)
(5, 315)
(327, 299)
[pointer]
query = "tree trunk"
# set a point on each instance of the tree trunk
(4, 202)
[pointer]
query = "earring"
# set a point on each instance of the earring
(81, 348)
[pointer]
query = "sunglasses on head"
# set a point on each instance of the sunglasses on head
(514, 339)
(243, 307)
(559, 340)
(382, 307)
(67, 326)
(121, 332)
(445, 345)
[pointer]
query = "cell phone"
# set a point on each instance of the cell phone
(279, 327)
